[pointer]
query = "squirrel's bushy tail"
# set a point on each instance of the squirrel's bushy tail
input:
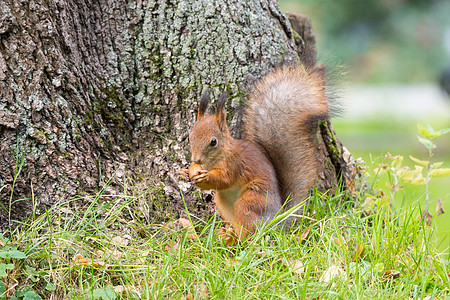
(282, 117)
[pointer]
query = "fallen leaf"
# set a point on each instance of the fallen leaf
(231, 262)
(119, 289)
(294, 265)
(121, 240)
(391, 274)
(332, 273)
(358, 252)
(185, 223)
(439, 208)
(99, 264)
(107, 253)
(202, 290)
(342, 244)
(171, 246)
(351, 185)
(87, 262)
(170, 226)
(81, 260)
(189, 296)
(146, 253)
(304, 235)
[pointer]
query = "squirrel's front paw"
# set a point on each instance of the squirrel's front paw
(184, 174)
(201, 176)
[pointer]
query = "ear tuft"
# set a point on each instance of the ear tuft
(204, 103)
(221, 115)
(222, 100)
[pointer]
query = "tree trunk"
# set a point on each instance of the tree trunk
(95, 89)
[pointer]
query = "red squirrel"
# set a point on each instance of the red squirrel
(275, 161)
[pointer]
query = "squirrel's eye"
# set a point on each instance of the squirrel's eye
(213, 142)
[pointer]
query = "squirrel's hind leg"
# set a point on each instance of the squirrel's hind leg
(250, 211)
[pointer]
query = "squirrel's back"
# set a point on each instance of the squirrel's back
(282, 117)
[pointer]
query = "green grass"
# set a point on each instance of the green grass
(107, 250)
(371, 139)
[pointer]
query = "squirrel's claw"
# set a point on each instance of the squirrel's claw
(184, 174)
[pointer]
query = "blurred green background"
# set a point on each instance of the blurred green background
(389, 56)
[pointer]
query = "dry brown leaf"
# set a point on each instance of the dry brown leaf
(171, 246)
(304, 235)
(146, 253)
(116, 254)
(333, 272)
(185, 223)
(342, 244)
(294, 265)
(390, 274)
(231, 262)
(202, 290)
(358, 252)
(189, 296)
(170, 226)
(99, 264)
(119, 289)
(121, 240)
(81, 260)
(350, 184)
(439, 208)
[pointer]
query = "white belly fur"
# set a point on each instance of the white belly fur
(226, 201)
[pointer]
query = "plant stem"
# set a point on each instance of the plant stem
(427, 180)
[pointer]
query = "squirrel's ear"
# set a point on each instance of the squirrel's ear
(221, 115)
(204, 103)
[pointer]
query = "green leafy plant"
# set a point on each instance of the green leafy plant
(424, 170)
(12, 259)
(432, 169)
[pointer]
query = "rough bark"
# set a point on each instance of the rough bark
(92, 89)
